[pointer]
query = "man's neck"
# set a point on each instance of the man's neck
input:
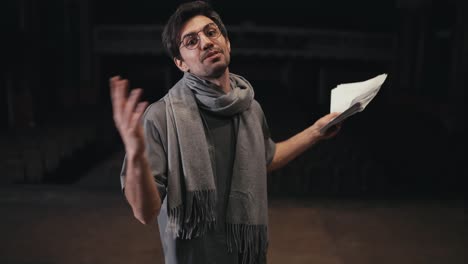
(222, 81)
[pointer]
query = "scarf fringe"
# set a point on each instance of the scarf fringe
(250, 240)
(187, 223)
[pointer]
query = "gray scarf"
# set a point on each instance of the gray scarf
(191, 184)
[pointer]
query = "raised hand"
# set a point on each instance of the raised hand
(127, 113)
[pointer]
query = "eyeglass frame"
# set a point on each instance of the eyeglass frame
(197, 34)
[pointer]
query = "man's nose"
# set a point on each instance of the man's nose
(205, 42)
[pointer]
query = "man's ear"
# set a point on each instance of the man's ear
(181, 64)
(228, 45)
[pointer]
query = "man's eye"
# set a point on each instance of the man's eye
(211, 32)
(191, 42)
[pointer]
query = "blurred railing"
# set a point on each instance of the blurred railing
(251, 40)
(34, 154)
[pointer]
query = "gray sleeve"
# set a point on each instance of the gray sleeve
(155, 153)
(270, 145)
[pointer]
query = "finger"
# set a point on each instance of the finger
(116, 88)
(119, 98)
(325, 120)
(334, 114)
(333, 131)
(139, 110)
(130, 105)
(113, 80)
(112, 83)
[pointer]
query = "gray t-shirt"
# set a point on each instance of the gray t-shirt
(211, 247)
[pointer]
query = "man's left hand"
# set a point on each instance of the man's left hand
(331, 132)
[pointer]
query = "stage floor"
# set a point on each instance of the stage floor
(69, 224)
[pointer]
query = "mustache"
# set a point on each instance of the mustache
(210, 52)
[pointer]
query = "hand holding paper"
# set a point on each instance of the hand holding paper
(351, 98)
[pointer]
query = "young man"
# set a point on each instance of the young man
(199, 161)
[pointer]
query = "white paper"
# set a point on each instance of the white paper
(351, 98)
(345, 95)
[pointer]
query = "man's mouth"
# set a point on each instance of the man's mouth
(210, 54)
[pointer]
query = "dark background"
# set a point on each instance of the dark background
(57, 56)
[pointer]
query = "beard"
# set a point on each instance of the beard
(218, 68)
(219, 65)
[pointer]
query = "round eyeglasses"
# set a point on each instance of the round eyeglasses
(192, 40)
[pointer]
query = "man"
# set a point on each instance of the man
(199, 161)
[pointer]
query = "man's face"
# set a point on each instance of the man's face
(210, 57)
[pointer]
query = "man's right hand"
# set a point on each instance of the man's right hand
(127, 113)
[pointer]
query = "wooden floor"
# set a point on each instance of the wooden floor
(81, 224)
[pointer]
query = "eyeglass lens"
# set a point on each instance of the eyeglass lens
(192, 40)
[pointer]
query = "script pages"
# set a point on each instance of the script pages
(351, 98)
